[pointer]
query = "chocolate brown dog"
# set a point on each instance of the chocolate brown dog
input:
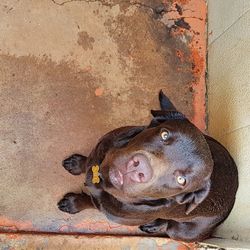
(166, 177)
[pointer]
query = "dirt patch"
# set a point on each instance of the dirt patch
(48, 111)
(85, 41)
(150, 53)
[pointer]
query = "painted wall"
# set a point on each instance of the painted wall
(229, 99)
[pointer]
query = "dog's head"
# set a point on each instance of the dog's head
(168, 159)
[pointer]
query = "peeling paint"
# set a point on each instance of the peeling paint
(10, 225)
(194, 18)
(99, 91)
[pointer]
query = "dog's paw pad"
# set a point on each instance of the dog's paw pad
(149, 229)
(68, 204)
(74, 164)
(156, 226)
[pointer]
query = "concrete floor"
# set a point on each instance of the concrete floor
(71, 71)
(68, 242)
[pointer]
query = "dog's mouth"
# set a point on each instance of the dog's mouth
(135, 170)
(116, 178)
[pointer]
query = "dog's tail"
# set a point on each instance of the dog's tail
(165, 103)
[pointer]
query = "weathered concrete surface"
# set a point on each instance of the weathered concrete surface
(67, 242)
(71, 71)
(19, 241)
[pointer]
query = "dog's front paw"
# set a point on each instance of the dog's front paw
(148, 229)
(154, 227)
(75, 164)
(71, 203)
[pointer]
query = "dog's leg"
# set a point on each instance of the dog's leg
(196, 230)
(73, 203)
(75, 164)
(190, 231)
(156, 226)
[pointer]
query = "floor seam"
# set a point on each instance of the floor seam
(235, 130)
(229, 27)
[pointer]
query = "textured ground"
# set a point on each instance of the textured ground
(72, 70)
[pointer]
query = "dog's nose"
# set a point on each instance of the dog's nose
(139, 169)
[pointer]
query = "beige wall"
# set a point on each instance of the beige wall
(229, 99)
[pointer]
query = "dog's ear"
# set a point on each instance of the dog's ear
(167, 112)
(123, 138)
(165, 103)
(192, 200)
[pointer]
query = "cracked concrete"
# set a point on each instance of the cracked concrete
(69, 72)
(111, 3)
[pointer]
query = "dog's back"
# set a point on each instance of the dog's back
(224, 179)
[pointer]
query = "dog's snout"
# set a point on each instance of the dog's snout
(139, 169)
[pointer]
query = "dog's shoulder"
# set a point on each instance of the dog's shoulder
(224, 179)
(224, 165)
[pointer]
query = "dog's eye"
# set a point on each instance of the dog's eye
(164, 135)
(181, 180)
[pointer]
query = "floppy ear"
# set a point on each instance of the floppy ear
(193, 199)
(165, 103)
(163, 116)
(123, 138)
(167, 112)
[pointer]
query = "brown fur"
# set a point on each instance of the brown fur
(189, 212)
